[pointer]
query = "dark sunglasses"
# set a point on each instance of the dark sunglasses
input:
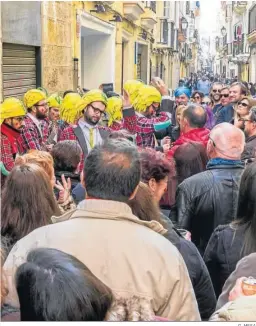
(243, 104)
(216, 90)
(207, 103)
(155, 107)
(224, 95)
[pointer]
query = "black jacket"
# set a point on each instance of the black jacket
(206, 200)
(223, 252)
(250, 148)
(226, 114)
(197, 270)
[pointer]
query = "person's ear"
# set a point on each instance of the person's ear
(82, 179)
(209, 148)
(152, 185)
(33, 109)
(134, 193)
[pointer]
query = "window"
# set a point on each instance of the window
(164, 31)
(167, 8)
(238, 32)
(187, 7)
(172, 35)
(252, 19)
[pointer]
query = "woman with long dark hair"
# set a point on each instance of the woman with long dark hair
(229, 243)
(27, 202)
(190, 158)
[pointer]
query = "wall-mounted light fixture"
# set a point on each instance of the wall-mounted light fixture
(143, 35)
(99, 9)
(184, 23)
(116, 19)
(223, 31)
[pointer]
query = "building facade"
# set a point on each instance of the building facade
(64, 45)
(235, 43)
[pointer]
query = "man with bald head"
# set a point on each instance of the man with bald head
(209, 198)
(192, 127)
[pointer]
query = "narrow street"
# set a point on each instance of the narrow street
(128, 161)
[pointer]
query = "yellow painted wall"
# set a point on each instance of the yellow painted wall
(57, 63)
(61, 43)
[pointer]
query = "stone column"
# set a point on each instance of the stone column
(57, 63)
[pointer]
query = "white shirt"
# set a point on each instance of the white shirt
(97, 140)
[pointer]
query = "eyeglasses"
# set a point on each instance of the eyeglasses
(207, 103)
(243, 104)
(155, 107)
(216, 90)
(224, 95)
(97, 111)
(196, 97)
(20, 119)
(44, 105)
(212, 141)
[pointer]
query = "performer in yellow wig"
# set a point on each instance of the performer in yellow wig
(12, 112)
(132, 88)
(68, 108)
(114, 111)
(148, 118)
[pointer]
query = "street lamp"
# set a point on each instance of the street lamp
(223, 31)
(184, 23)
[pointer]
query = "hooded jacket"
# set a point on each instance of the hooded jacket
(200, 135)
(129, 255)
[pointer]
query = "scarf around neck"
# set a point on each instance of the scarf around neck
(217, 161)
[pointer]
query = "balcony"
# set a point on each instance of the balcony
(252, 25)
(133, 10)
(237, 48)
(148, 19)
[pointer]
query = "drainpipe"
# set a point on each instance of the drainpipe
(75, 74)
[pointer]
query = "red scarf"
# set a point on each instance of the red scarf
(12, 135)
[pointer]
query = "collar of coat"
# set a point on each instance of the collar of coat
(107, 210)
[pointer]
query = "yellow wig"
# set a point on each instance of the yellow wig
(132, 88)
(68, 108)
(146, 96)
(114, 109)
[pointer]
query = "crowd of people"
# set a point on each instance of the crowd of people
(129, 207)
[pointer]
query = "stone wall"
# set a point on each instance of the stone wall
(21, 22)
(57, 61)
